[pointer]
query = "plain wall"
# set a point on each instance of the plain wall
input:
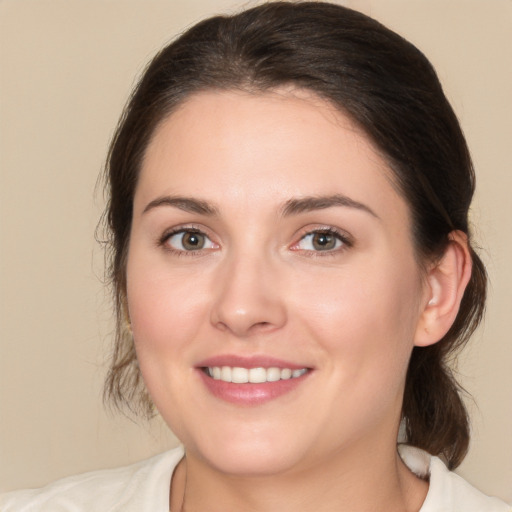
(66, 69)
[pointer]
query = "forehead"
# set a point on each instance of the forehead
(231, 146)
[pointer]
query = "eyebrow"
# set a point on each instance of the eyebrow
(312, 203)
(187, 204)
(290, 207)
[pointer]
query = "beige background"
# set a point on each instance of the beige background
(66, 69)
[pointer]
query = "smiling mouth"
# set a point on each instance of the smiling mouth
(239, 375)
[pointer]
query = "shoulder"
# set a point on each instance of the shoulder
(138, 487)
(448, 492)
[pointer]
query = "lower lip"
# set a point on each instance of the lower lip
(248, 393)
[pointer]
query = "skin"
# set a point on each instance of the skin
(260, 287)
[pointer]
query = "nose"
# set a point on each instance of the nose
(248, 299)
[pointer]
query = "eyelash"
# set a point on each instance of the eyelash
(163, 241)
(341, 236)
(345, 239)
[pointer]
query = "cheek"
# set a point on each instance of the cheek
(366, 317)
(165, 308)
(167, 314)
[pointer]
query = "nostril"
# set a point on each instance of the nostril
(247, 313)
(222, 326)
(261, 326)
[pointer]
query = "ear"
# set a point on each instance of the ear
(445, 284)
(127, 323)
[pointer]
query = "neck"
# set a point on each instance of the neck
(357, 480)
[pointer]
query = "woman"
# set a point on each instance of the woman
(289, 191)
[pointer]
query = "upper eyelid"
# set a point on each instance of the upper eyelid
(162, 240)
(183, 229)
(347, 241)
(341, 233)
(345, 236)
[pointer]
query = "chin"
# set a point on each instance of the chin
(251, 461)
(247, 454)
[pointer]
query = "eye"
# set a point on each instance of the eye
(188, 240)
(321, 241)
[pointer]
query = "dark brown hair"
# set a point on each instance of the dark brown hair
(391, 91)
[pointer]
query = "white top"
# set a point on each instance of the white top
(447, 491)
(144, 487)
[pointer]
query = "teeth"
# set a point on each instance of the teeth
(286, 373)
(240, 375)
(225, 374)
(257, 375)
(273, 374)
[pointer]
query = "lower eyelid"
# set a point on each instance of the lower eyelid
(343, 241)
(164, 240)
(342, 238)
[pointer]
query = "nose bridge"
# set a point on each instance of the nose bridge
(247, 298)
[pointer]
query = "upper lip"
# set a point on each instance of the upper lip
(256, 361)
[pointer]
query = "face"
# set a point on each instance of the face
(269, 248)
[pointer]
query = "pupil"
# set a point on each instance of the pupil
(323, 241)
(193, 241)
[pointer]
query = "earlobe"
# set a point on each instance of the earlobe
(445, 284)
